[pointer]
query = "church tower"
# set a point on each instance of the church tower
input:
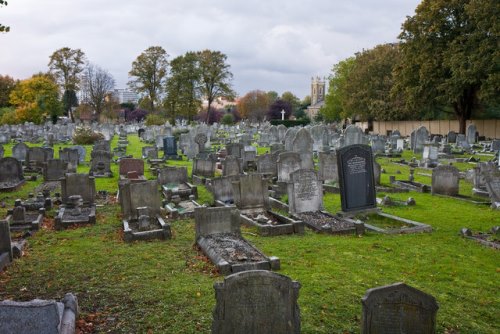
(317, 90)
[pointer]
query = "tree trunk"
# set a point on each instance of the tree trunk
(464, 107)
(210, 100)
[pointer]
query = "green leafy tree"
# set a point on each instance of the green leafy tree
(272, 95)
(69, 101)
(2, 27)
(7, 84)
(451, 56)
(183, 94)
(254, 105)
(368, 90)
(293, 100)
(215, 77)
(36, 99)
(149, 74)
(334, 108)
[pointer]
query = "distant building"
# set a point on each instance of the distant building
(219, 103)
(318, 87)
(125, 96)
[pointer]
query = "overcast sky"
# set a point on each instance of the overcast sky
(271, 44)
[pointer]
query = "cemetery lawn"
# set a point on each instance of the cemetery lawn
(167, 286)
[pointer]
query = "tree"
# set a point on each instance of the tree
(254, 105)
(97, 83)
(215, 80)
(368, 90)
(293, 100)
(7, 84)
(450, 56)
(149, 74)
(2, 27)
(278, 106)
(272, 95)
(183, 95)
(334, 107)
(69, 101)
(36, 99)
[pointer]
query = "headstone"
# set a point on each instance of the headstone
(170, 147)
(451, 137)
(149, 152)
(172, 175)
(54, 169)
(303, 144)
(222, 189)
(235, 149)
(201, 139)
(82, 152)
(11, 173)
(130, 164)
(398, 308)
(71, 156)
(328, 170)
(250, 192)
(305, 191)
(421, 136)
(2, 151)
(256, 302)
(19, 151)
(378, 145)
(377, 170)
(445, 180)
(288, 162)
(6, 255)
(471, 134)
(139, 195)
(353, 135)
(356, 179)
(492, 180)
(231, 166)
(266, 165)
(78, 184)
(495, 145)
(204, 167)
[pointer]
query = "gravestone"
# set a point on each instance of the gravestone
(71, 156)
(421, 135)
(19, 151)
(54, 169)
(277, 147)
(430, 154)
(250, 193)
(201, 139)
(287, 163)
(328, 170)
(303, 144)
(204, 167)
(249, 157)
(222, 189)
(78, 184)
(305, 191)
(398, 308)
(137, 195)
(495, 145)
(235, 149)
(471, 134)
(377, 170)
(445, 180)
(172, 175)
(289, 137)
(2, 151)
(353, 135)
(82, 152)
(39, 316)
(256, 302)
(492, 181)
(231, 166)
(356, 179)
(127, 165)
(266, 165)
(11, 173)
(149, 152)
(378, 145)
(170, 147)
(451, 138)
(100, 164)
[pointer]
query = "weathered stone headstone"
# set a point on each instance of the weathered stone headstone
(398, 308)
(204, 167)
(305, 191)
(266, 165)
(353, 135)
(19, 151)
(222, 189)
(328, 169)
(356, 179)
(54, 169)
(421, 136)
(378, 145)
(250, 192)
(201, 139)
(138, 195)
(231, 166)
(303, 144)
(451, 138)
(127, 165)
(287, 163)
(170, 147)
(2, 151)
(471, 134)
(445, 180)
(492, 180)
(11, 173)
(256, 302)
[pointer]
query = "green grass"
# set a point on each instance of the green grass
(167, 286)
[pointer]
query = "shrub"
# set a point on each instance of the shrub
(227, 119)
(154, 119)
(85, 136)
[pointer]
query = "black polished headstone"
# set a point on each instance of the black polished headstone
(356, 179)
